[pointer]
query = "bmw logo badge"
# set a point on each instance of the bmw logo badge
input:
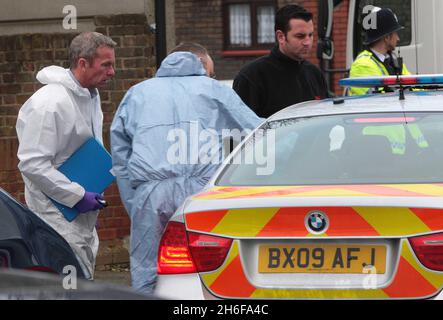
(316, 222)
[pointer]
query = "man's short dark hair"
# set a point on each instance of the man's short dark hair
(286, 13)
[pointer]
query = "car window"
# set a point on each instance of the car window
(342, 149)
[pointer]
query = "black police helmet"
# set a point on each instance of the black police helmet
(386, 23)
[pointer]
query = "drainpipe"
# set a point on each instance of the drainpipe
(325, 48)
(160, 31)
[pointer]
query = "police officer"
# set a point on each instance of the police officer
(379, 59)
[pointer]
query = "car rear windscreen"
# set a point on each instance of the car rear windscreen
(341, 149)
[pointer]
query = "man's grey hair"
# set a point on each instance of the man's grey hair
(194, 48)
(85, 46)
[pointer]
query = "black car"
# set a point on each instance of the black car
(23, 285)
(27, 242)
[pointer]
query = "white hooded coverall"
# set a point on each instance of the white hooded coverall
(53, 123)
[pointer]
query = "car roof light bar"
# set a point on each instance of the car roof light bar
(394, 81)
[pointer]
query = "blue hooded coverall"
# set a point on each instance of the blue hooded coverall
(152, 186)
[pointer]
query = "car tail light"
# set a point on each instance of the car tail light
(174, 255)
(4, 259)
(208, 252)
(41, 269)
(429, 250)
(182, 252)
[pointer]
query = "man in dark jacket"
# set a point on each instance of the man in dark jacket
(283, 77)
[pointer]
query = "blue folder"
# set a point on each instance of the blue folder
(91, 167)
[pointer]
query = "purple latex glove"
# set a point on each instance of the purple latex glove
(89, 202)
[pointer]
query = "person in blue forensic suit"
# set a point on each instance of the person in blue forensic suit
(161, 150)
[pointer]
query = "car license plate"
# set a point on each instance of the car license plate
(311, 258)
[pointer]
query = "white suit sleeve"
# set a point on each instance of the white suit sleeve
(37, 150)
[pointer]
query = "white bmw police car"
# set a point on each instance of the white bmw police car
(348, 206)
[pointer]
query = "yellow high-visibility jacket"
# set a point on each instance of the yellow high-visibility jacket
(366, 65)
(396, 134)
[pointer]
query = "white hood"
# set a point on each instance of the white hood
(56, 74)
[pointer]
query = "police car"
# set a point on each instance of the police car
(347, 205)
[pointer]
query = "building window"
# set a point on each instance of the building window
(249, 24)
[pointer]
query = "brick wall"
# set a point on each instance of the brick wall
(339, 35)
(202, 21)
(22, 56)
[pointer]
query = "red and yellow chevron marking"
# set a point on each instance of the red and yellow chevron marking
(387, 190)
(343, 221)
(411, 280)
